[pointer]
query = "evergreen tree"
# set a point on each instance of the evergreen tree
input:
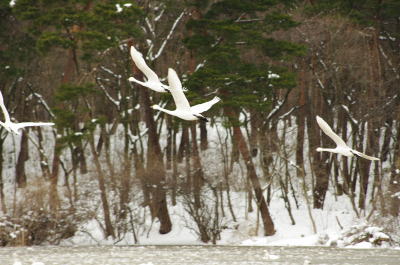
(234, 40)
(79, 33)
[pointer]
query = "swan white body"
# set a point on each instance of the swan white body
(15, 127)
(153, 82)
(341, 146)
(183, 109)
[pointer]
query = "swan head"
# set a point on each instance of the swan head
(319, 149)
(155, 107)
(166, 88)
(201, 117)
(131, 79)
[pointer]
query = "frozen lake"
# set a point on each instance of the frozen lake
(160, 255)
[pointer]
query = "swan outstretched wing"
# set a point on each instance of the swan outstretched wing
(175, 87)
(328, 131)
(4, 109)
(30, 124)
(199, 108)
(138, 59)
(364, 155)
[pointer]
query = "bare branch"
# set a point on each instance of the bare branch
(110, 72)
(150, 27)
(110, 98)
(248, 20)
(353, 120)
(278, 107)
(169, 35)
(389, 62)
(44, 103)
(157, 18)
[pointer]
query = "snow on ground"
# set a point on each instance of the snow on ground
(91, 234)
(243, 232)
(336, 214)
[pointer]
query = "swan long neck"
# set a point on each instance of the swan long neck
(320, 149)
(170, 112)
(137, 81)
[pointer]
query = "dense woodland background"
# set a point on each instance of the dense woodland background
(275, 65)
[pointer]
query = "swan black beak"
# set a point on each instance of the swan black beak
(202, 118)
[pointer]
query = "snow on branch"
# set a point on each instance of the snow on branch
(389, 62)
(320, 83)
(110, 98)
(44, 103)
(288, 113)
(150, 50)
(169, 35)
(134, 138)
(157, 18)
(110, 72)
(149, 26)
(200, 65)
(275, 110)
(40, 150)
(321, 61)
(353, 120)
(390, 101)
(248, 20)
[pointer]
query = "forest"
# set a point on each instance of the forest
(275, 64)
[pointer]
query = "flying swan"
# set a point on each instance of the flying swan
(15, 127)
(341, 146)
(183, 109)
(153, 82)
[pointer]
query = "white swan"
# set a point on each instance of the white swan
(183, 109)
(14, 127)
(341, 146)
(153, 82)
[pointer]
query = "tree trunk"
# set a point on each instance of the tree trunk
(364, 167)
(22, 157)
(198, 178)
(2, 197)
(81, 158)
(319, 163)
(346, 174)
(203, 136)
(155, 172)
(125, 184)
(240, 141)
(53, 193)
(300, 145)
(182, 146)
(109, 230)
(43, 160)
(174, 169)
(319, 166)
(169, 143)
(254, 127)
(394, 184)
(300, 121)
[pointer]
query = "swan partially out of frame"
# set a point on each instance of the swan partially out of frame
(183, 109)
(341, 146)
(15, 127)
